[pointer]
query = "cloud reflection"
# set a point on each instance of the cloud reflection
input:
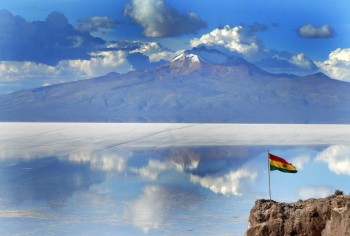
(337, 157)
(228, 184)
(152, 169)
(306, 192)
(156, 203)
(114, 160)
(217, 168)
(301, 160)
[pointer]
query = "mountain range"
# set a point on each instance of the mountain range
(199, 85)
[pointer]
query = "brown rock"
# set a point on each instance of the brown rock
(313, 217)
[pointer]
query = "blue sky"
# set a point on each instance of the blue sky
(48, 42)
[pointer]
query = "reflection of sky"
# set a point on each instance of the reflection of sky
(157, 191)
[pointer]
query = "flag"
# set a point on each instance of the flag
(278, 163)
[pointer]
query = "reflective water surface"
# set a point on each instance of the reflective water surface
(53, 183)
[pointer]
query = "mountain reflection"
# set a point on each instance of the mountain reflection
(157, 191)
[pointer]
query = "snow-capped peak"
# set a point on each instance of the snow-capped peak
(209, 55)
(190, 56)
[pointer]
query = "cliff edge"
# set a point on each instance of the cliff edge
(312, 217)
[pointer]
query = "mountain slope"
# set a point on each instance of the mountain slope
(199, 85)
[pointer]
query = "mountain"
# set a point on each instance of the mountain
(200, 85)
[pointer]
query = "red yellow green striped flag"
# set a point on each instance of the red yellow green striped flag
(278, 163)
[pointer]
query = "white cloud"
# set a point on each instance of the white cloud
(17, 74)
(337, 65)
(228, 184)
(286, 62)
(306, 192)
(156, 52)
(302, 61)
(242, 40)
(337, 158)
(96, 23)
(161, 20)
(311, 31)
(238, 39)
(14, 71)
(101, 63)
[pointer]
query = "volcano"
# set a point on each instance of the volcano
(199, 85)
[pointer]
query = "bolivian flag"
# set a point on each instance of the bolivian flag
(278, 163)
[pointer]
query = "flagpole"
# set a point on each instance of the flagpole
(268, 167)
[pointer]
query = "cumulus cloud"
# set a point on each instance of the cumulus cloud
(96, 24)
(100, 63)
(158, 19)
(306, 192)
(229, 184)
(302, 61)
(242, 40)
(238, 39)
(142, 55)
(148, 54)
(155, 51)
(121, 57)
(12, 71)
(312, 31)
(46, 42)
(337, 65)
(286, 62)
(337, 158)
(20, 75)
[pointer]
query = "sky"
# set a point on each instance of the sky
(49, 42)
(58, 179)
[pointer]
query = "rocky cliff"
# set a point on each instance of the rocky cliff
(313, 217)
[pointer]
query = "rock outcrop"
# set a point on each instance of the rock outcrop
(312, 217)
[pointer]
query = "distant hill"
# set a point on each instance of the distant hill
(200, 85)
